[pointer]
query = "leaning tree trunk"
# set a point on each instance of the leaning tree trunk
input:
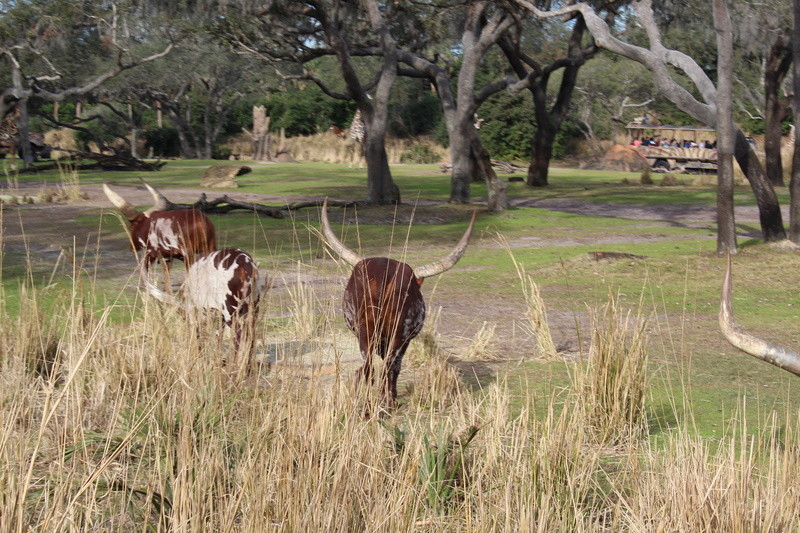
(794, 184)
(496, 188)
(769, 211)
(183, 139)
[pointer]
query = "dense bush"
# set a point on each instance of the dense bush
(163, 141)
(508, 126)
(307, 111)
(414, 111)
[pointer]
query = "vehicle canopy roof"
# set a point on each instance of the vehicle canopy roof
(680, 133)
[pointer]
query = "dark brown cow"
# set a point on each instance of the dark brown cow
(771, 353)
(383, 305)
(166, 235)
(224, 280)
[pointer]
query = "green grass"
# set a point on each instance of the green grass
(417, 181)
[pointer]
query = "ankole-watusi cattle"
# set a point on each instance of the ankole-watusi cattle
(383, 305)
(165, 235)
(226, 281)
(771, 353)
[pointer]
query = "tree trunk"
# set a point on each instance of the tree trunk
(262, 141)
(726, 227)
(541, 153)
(461, 177)
(23, 137)
(548, 121)
(775, 70)
(381, 188)
(772, 140)
(794, 184)
(134, 132)
(769, 211)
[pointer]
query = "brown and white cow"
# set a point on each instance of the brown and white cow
(383, 305)
(166, 235)
(771, 353)
(226, 281)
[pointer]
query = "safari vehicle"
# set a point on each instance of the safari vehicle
(696, 159)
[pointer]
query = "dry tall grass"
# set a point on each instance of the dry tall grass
(138, 427)
(613, 384)
(326, 147)
(535, 323)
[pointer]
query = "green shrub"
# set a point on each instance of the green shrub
(221, 152)
(420, 153)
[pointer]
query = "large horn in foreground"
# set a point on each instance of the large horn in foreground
(346, 253)
(451, 259)
(160, 201)
(771, 353)
(121, 203)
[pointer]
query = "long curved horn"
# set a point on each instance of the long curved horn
(346, 253)
(121, 203)
(771, 353)
(160, 201)
(451, 259)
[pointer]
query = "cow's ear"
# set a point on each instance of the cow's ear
(419, 281)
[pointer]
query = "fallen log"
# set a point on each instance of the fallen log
(497, 164)
(226, 204)
(597, 256)
(112, 161)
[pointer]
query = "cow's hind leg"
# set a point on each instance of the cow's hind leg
(243, 327)
(365, 373)
(391, 371)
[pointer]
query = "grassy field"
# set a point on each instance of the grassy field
(116, 416)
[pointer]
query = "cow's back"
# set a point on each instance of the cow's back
(383, 296)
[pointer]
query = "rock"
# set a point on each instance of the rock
(223, 176)
(624, 158)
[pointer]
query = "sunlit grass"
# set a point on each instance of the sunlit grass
(144, 427)
(417, 181)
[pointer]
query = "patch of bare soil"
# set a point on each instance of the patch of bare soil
(699, 215)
